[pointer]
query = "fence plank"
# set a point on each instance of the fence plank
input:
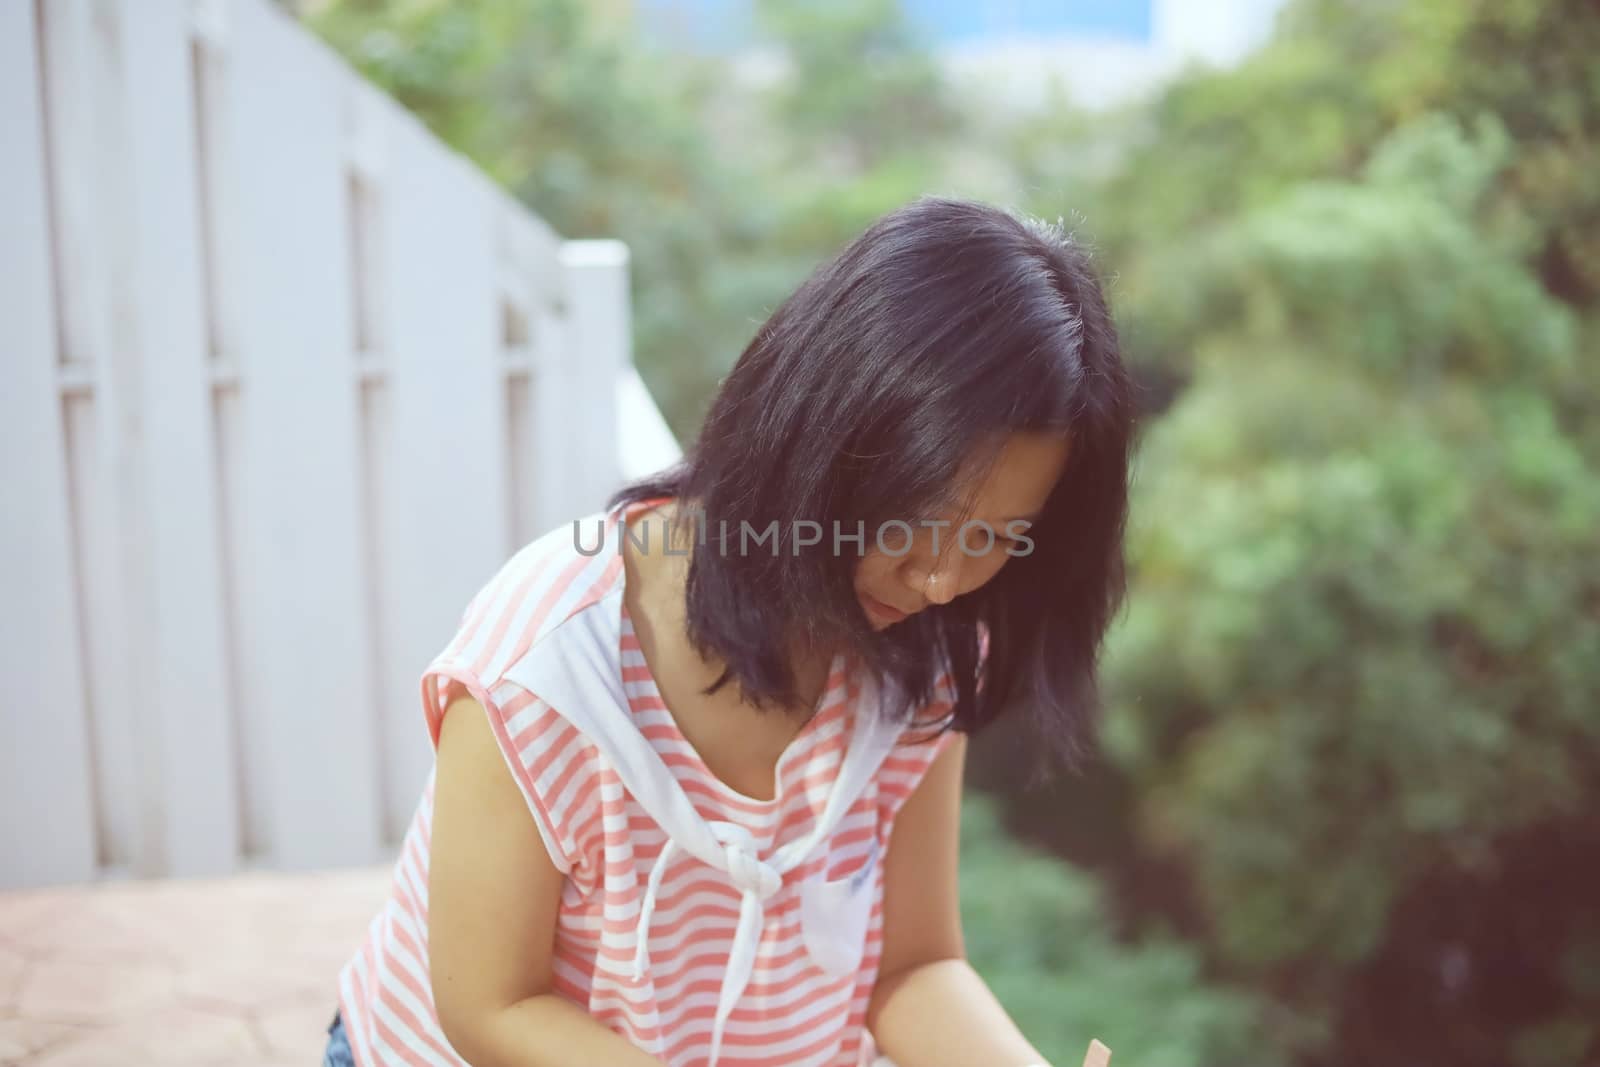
(80, 66)
(447, 513)
(305, 671)
(45, 764)
(555, 421)
(184, 712)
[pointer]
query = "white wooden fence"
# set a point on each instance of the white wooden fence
(282, 381)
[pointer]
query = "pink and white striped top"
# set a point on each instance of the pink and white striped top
(651, 950)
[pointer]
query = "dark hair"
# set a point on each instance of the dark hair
(943, 327)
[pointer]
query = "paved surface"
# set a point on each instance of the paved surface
(238, 971)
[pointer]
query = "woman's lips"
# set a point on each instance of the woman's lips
(881, 610)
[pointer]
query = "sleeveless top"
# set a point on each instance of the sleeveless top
(710, 928)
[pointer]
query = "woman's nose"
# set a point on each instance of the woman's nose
(941, 587)
(940, 582)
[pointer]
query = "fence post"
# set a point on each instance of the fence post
(598, 349)
(183, 712)
(48, 834)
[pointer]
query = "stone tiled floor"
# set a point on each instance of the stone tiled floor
(238, 971)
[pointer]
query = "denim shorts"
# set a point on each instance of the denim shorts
(338, 1053)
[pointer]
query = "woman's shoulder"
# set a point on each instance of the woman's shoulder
(536, 591)
(573, 554)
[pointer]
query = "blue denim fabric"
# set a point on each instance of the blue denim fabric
(338, 1053)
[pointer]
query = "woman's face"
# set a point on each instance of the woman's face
(933, 562)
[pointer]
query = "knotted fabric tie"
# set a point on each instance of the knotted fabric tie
(756, 882)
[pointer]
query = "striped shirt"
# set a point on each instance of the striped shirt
(650, 961)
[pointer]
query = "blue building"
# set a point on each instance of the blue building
(1100, 51)
(726, 24)
(951, 21)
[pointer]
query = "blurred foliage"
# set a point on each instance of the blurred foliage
(603, 135)
(600, 140)
(1350, 802)
(863, 89)
(1039, 934)
(1360, 667)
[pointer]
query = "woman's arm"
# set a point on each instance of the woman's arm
(929, 1008)
(493, 894)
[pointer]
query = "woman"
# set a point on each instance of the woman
(699, 757)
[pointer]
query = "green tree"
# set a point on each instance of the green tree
(1040, 935)
(1360, 667)
(863, 88)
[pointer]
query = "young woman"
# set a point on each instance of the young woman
(699, 756)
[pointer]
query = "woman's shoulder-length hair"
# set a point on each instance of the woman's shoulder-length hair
(945, 326)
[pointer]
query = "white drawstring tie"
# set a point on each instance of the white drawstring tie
(756, 881)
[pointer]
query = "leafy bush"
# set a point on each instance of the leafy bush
(1039, 933)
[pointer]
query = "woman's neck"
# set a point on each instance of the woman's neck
(662, 551)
